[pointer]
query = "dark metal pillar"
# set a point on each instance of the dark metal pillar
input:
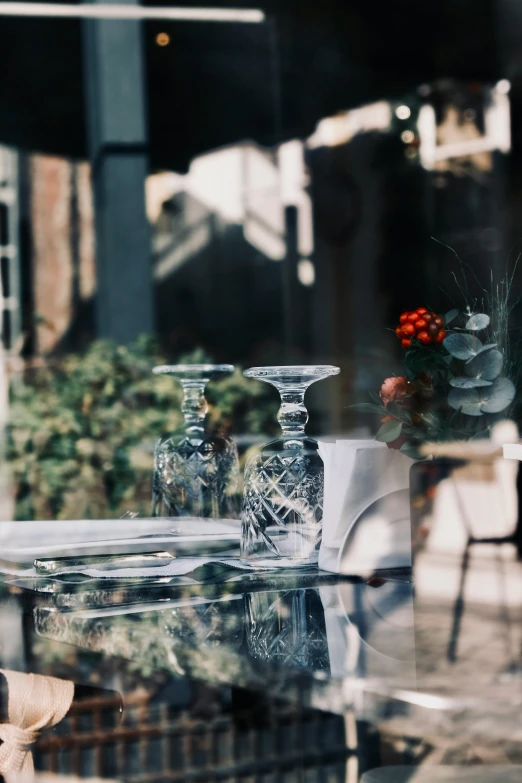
(295, 301)
(117, 135)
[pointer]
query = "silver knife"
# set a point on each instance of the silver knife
(49, 566)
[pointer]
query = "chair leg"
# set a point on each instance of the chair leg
(458, 609)
(350, 734)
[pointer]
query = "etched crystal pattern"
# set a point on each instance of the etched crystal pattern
(284, 629)
(283, 503)
(194, 477)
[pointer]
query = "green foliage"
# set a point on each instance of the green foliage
(83, 428)
(389, 431)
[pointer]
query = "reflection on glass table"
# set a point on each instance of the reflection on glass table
(252, 629)
(287, 628)
(195, 472)
(375, 646)
(329, 642)
(467, 539)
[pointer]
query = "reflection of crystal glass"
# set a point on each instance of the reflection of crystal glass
(287, 628)
(284, 483)
(204, 624)
(195, 473)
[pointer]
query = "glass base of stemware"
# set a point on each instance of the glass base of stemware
(279, 562)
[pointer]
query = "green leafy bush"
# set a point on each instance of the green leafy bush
(82, 428)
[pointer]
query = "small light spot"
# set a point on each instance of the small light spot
(503, 86)
(403, 112)
(306, 272)
(407, 136)
(163, 39)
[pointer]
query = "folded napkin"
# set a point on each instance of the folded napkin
(366, 513)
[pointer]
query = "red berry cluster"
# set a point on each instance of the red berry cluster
(421, 324)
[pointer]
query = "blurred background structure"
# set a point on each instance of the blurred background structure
(269, 192)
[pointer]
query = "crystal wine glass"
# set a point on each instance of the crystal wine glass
(284, 483)
(195, 472)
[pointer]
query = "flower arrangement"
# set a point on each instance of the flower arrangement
(454, 384)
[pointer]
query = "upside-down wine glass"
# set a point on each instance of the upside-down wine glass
(195, 472)
(284, 482)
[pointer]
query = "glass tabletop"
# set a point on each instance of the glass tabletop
(423, 658)
(382, 646)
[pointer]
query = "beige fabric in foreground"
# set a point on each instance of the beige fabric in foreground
(34, 703)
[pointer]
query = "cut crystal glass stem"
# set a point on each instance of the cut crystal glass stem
(292, 415)
(194, 406)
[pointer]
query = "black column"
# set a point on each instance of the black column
(117, 134)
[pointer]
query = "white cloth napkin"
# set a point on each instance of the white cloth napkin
(366, 516)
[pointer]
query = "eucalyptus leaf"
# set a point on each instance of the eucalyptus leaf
(450, 316)
(462, 346)
(465, 400)
(468, 383)
(487, 365)
(477, 322)
(498, 396)
(484, 348)
(389, 431)
(490, 399)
